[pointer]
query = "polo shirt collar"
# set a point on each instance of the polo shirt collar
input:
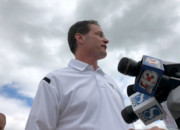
(81, 66)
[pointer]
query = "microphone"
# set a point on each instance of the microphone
(160, 95)
(129, 67)
(171, 69)
(144, 107)
(148, 72)
(132, 68)
(170, 82)
(130, 90)
(140, 99)
(129, 115)
(154, 77)
(166, 85)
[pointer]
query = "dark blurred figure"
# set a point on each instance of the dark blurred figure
(2, 121)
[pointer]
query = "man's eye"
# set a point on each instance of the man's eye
(101, 35)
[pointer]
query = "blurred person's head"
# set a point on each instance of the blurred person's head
(2, 121)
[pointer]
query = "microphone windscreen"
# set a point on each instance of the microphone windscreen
(128, 115)
(128, 67)
(130, 90)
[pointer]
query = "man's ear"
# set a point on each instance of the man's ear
(79, 38)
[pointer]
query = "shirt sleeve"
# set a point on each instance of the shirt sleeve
(44, 113)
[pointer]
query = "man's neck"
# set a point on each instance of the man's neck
(89, 61)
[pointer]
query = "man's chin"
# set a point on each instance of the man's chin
(102, 56)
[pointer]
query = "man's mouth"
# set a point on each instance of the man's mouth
(104, 46)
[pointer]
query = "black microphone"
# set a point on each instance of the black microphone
(129, 115)
(143, 107)
(148, 72)
(161, 95)
(132, 68)
(172, 69)
(129, 111)
(171, 82)
(129, 67)
(166, 85)
(130, 90)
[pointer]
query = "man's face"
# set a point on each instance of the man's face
(95, 42)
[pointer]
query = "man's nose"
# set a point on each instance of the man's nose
(106, 41)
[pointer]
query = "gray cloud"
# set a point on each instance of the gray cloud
(144, 22)
(27, 28)
(98, 10)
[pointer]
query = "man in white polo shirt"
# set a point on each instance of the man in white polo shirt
(80, 96)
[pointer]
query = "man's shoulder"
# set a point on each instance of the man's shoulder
(58, 72)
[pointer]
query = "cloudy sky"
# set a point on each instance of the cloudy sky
(33, 39)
